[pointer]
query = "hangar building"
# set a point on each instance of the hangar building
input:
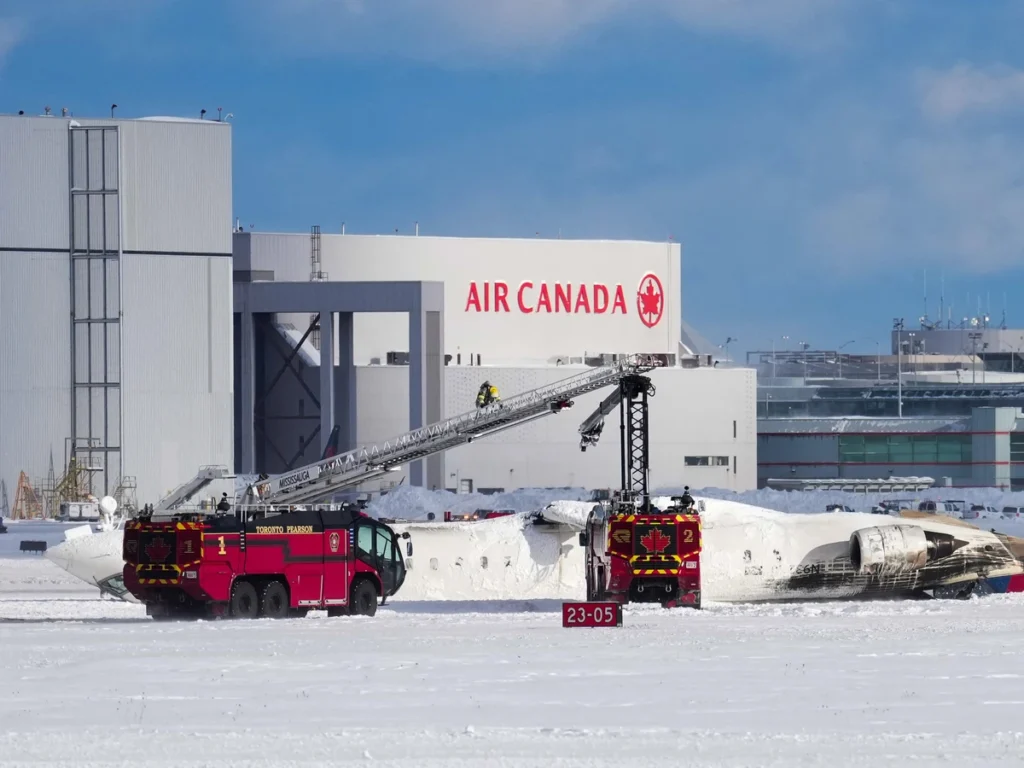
(520, 313)
(115, 301)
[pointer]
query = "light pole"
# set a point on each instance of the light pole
(974, 336)
(784, 338)
(878, 358)
(839, 356)
(728, 340)
(897, 325)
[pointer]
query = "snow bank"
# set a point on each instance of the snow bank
(507, 558)
(574, 513)
(410, 503)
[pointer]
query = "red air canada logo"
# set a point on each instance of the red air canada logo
(655, 542)
(650, 300)
(335, 541)
(157, 550)
(567, 298)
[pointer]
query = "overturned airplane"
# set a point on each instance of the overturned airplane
(750, 555)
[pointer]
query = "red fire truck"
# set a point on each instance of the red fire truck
(633, 555)
(262, 562)
(635, 552)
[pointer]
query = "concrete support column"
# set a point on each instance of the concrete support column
(426, 389)
(247, 395)
(327, 347)
(345, 383)
(990, 446)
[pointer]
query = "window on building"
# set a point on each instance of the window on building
(1017, 447)
(906, 449)
(926, 449)
(706, 461)
(901, 449)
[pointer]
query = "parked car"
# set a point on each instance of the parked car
(889, 507)
(948, 508)
(1012, 513)
(838, 508)
(979, 510)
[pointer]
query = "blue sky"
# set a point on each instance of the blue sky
(814, 157)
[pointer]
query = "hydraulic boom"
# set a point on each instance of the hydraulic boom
(631, 398)
(324, 478)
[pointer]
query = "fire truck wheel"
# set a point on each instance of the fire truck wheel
(274, 600)
(245, 603)
(364, 598)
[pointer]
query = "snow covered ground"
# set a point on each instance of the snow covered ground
(89, 681)
(92, 682)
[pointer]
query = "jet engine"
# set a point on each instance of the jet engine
(891, 548)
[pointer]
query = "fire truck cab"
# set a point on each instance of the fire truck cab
(262, 562)
(649, 556)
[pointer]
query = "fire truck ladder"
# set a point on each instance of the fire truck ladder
(189, 488)
(631, 399)
(324, 478)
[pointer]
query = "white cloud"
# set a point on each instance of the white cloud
(453, 29)
(964, 89)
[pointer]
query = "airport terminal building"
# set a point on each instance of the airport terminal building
(944, 402)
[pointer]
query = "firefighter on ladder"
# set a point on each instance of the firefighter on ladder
(487, 394)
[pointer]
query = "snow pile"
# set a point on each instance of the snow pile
(411, 503)
(507, 558)
(574, 513)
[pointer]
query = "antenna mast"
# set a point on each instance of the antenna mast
(942, 297)
(924, 320)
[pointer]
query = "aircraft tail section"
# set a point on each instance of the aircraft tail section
(332, 443)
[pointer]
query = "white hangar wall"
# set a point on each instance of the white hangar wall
(510, 301)
(705, 414)
(146, 375)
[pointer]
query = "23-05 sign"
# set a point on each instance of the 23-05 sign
(591, 615)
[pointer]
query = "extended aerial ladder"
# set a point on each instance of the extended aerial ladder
(347, 470)
(630, 397)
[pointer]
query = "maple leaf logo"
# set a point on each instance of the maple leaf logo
(157, 550)
(650, 300)
(655, 542)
